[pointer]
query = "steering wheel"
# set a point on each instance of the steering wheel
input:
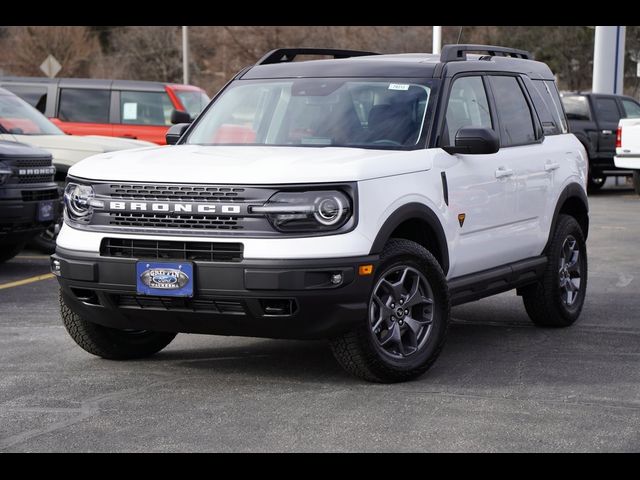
(385, 141)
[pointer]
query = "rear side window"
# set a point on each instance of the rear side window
(467, 107)
(631, 108)
(544, 107)
(577, 107)
(607, 110)
(84, 105)
(145, 108)
(34, 95)
(516, 123)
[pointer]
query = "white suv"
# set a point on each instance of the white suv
(355, 199)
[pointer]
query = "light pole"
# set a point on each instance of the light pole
(185, 55)
(608, 60)
(437, 39)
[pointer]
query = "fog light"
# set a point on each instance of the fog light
(336, 279)
(55, 267)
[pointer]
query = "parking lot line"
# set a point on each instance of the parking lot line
(25, 281)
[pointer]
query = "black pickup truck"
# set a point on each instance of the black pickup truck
(593, 118)
(29, 197)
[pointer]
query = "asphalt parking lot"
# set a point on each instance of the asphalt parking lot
(499, 385)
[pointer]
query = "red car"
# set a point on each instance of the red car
(116, 108)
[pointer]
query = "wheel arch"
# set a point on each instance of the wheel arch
(416, 222)
(572, 201)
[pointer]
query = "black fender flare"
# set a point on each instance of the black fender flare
(573, 190)
(408, 212)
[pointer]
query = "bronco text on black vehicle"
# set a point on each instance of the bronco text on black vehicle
(29, 197)
(354, 199)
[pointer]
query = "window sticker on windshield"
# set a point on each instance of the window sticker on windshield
(398, 86)
(130, 111)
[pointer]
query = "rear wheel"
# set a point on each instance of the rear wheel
(112, 343)
(636, 181)
(407, 320)
(557, 300)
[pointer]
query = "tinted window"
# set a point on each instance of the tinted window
(516, 124)
(576, 107)
(467, 107)
(631, 108)
(607, 110)
(33, 95)
(544, 106)
(145, 108)
(91, 106)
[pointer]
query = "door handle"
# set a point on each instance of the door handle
(607, 132)
(551, 166)
(503, 172)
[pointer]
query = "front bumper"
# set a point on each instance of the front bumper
(19, 219)
(256, 298)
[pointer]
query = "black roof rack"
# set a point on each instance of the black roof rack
(283, 55)
(455, 53)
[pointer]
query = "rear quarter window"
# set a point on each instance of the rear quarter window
(84, 105)
(576, 107)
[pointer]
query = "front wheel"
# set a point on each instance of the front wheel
(407, 320)
(112, 343)
(557, 300)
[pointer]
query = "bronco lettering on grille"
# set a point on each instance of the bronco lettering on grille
(201, 208)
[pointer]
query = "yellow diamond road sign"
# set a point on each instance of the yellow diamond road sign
(50, 66)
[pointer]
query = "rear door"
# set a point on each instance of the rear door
(84, 111)
(608, 115)
(143, 115)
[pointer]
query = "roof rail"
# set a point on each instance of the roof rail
(283, 55)
(456, 53)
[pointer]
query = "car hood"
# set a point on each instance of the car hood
(250, 164)
(90, 143)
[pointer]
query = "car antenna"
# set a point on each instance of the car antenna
(460, 35)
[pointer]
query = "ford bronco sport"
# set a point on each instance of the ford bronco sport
(354, 199)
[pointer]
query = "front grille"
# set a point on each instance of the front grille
(171, 250)
(156, 220)
(178, 193)
(37, 195)
(197, 304)
(32, 162)
(35, 178)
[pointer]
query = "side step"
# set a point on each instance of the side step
(496, 280)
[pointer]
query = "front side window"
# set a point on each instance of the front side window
(192, 101)
(576, 107)
(84, 105)
(607, 110)
(631, 108)
(20, 118)
(145, 108)
(467, 107)
(516, 123)
(316, 112)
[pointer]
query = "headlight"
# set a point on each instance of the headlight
(79, 202)
(307, 211)
(5, 173)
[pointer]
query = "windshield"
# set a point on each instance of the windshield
(194, 102)
(316, 112)
(20, 118)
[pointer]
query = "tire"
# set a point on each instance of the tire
(112, 343)
(636, 181)
(548, 303)
(360, 351)
(7, 252)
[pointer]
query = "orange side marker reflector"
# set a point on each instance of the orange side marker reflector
(365, 269)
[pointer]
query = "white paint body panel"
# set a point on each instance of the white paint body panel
(507, 219)
(628, 154)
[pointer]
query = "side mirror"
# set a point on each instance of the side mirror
(475, 141)
(180, 116)
(175, 132)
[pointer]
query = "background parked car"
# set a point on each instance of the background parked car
(115, 108)
(20, 122)
(628, 148)
(29, 197)
(593, 118)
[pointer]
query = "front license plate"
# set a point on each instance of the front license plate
(164, 279)
(46, 211)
